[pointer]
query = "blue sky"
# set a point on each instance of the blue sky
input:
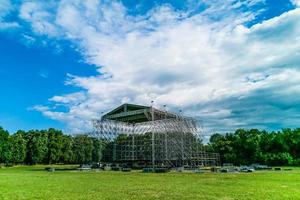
(232, 64)
(29, 76)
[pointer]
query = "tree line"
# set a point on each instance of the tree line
(244, 147)
(48, 147)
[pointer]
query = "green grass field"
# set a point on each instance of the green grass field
(36, 183)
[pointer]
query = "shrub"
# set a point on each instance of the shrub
(279, 159)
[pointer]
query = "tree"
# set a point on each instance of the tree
(246, 146)
(278, 159)
(97, 150)
(82, 148)
(4, 153)
(36, 147)
(254, 146)
(215, 138)
(67, 155)
(17, 147)
(55, 144)
(240, 147)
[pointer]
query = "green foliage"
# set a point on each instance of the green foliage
(48, 147)
(278, 159)
(55, 144)
(245, 147)
(3, 145)
(36, 147)
(17, 147)
(82, 148)
(67, 155)
(97, 150)
(51, 146)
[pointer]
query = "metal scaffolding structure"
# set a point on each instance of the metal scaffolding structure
(163, 142)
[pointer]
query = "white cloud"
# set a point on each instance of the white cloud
(170, 57)
(5, 8)
(39, 16)
(296, 2)
(73, 97)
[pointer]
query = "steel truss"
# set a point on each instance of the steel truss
(174, 142)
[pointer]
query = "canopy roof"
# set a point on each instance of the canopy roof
(133, 113)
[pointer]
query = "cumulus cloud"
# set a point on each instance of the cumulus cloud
(39, 15)
(296, 2)
(6, 7)
(210, 64)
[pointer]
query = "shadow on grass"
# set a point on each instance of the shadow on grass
(52, 168)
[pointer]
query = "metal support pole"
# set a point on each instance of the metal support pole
(182, 150)
(114, 151)
(115, 145)
(133, 147)
(197, 152)
(166, 138)
(153, 142)
(166, 147)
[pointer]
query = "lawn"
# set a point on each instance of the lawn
(36, 183)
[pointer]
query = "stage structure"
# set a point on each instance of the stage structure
(148, 137)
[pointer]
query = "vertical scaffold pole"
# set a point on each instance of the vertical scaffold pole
(115, 147)
(153, 142)
(166, 138)
(114, 151)
(166, 147)
(133, 147)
